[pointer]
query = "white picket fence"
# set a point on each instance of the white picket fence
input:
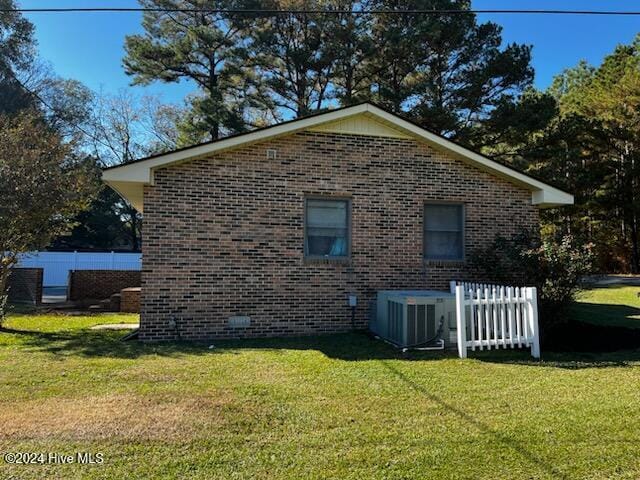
(496, 316)
(472, 286)
(57, 265)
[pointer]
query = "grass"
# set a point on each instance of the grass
(340, 406)
(613, 306)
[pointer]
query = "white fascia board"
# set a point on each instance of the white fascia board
(551, 197)
(134, 172)
(141, 172)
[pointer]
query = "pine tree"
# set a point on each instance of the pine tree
(17, 51)
(294, 56)
(447, 72)
(592, 149)
(200, 46)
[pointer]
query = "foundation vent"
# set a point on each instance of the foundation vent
(239, 322)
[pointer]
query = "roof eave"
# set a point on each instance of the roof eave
(551, 198)
(122, 178)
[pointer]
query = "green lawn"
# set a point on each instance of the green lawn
(341, 406)
(615, 306)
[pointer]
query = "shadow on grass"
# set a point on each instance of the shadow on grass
(22, 308)
(361, 346)
(563, 360)
(98, 343)
(348, 347)
(606, 315)
(106, 343)
(355, 346)
(509, 442)
(580, 343)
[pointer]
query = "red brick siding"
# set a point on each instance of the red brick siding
(100, 284)
(25, 285)
(224, 235)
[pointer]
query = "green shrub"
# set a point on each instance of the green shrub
(554, 267)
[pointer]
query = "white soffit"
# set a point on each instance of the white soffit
(364, 119)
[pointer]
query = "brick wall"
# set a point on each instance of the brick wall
(130, 300)
(25, 285)
(100, 284)
(224, 235)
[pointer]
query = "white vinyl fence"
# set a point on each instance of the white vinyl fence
(497, 317)
(472, 286)
(57, 265)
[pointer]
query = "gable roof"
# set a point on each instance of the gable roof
(364, 119)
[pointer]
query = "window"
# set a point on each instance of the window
(326, 228)
(443, 231)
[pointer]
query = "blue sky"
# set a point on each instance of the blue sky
(89, 46)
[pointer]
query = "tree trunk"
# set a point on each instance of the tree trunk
(135, 239)
(214, 92)
(134, 229)
(348, 87)
(6, 262)
(635, 248)
(634, 173)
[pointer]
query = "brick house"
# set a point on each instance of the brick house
(268, 233)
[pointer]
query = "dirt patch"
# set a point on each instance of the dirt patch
(112, 416)
(116, 326)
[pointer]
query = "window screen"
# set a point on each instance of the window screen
(327, 228)
(443, 232)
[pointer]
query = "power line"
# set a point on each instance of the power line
(319, 12)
